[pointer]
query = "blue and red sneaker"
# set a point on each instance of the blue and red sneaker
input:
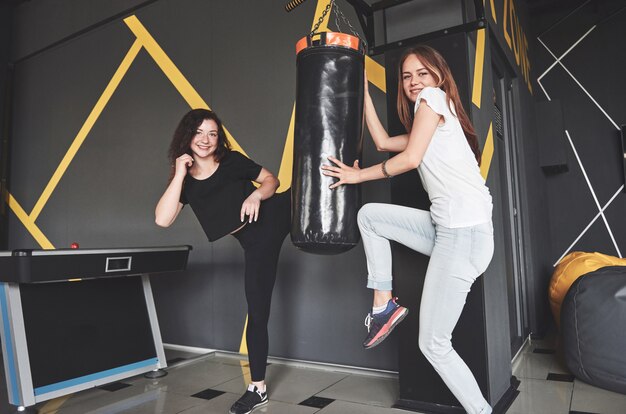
(380, 325)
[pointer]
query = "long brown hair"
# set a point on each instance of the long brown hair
(186, 130)
(439, 69)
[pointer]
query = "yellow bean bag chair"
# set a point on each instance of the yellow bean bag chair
(570, 268)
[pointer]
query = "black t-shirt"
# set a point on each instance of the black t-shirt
(216, 201)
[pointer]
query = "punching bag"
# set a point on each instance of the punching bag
(328, 122)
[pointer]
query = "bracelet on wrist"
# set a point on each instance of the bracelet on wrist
(385, 173)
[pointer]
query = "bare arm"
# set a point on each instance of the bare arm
(169, 204)
(269, 184)
(381, 138)
(424, 126)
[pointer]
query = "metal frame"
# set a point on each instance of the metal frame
(154, 322)
(365, 13)
(14, 347)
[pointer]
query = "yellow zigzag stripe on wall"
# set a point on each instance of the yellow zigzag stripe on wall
(286, 163)
(28, 223)
(375, 73)
(86, 128)
(170, 70)
(243, 346)
(477, 91)
(479, 60)
(28, 220)
(493, 12)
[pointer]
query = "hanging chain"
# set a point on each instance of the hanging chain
(322, 17)
(338, 13)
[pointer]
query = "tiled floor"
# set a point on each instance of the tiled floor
(546, 386)
(210, 384)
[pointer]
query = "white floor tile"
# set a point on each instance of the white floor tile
(597, 400)
(368, 390)
(289, 384)
(222, 403)
(155, 401)
(533, 366)
(542, 397)
(345, 407)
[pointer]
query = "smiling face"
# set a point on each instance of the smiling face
(204, 142)
(415, 77)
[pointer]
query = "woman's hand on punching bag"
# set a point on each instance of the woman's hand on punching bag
(345, 173)
(183, 163)
(250, 207)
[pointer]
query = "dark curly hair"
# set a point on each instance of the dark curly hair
(186, 130)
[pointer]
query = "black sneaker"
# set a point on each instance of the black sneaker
(379, 326)
(250, 400)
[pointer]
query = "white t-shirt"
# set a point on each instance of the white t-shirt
(449, 171)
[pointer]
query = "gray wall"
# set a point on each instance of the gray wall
(240, 58)
(5, 50)
(592, 71)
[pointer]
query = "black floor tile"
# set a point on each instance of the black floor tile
(208, 394)
(317, 402)
(560, 377)
(114, 386)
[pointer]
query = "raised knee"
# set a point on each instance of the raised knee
(363, 215)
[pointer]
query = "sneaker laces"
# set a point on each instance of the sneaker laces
(370, 317)
(368, 321)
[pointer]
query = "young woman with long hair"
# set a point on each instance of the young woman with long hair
(456, 233)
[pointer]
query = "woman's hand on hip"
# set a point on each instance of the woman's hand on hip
(345, 173)
(250, 207)
(183, 163)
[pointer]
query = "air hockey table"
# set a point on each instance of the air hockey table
(72, 319)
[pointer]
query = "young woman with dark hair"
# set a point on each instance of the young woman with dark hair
(456, 233)
(217, 183)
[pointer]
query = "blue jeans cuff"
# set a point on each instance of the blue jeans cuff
(373, 284)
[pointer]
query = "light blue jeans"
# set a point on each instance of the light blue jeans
(457, 257)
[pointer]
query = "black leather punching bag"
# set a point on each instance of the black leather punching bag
(328, 121)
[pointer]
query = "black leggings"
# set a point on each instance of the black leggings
(261, 242)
